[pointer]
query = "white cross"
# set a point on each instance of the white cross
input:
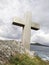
(27, 25)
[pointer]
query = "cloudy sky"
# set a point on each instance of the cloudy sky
(12, 8)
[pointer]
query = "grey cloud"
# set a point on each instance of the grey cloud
(11, 8)
(9, 31)
(41, 40)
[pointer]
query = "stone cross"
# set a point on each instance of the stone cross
(27, 25)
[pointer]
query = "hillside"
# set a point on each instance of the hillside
(38, 44)
(24, 59)
(12, 53)
(10, 48)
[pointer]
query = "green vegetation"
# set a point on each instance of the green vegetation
(23, 59)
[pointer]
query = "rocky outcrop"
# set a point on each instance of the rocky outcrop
(7, 48)
(10, 48)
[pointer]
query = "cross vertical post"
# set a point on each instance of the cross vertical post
(27, 30)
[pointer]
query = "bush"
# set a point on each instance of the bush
(23, 59)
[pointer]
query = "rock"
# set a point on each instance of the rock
(7, 48)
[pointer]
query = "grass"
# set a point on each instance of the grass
(24, 59)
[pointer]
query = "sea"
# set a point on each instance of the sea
(41, 51)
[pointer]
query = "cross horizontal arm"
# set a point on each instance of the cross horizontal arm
(18, 21)
(35, 26)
